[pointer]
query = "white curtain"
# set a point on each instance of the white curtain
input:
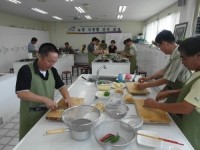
(151, 31)
(167, 22)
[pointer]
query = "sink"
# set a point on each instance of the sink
(93, 78)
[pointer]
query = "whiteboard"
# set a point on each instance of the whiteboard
(119, 39)
(14, 44)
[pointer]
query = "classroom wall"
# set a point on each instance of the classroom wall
(58, 35)
(20, 22)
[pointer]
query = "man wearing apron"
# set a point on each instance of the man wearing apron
(92, 53)
(187, 107)
(174, 75)
(130, 52)
(35, 87)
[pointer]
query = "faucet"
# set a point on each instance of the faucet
(98, 70)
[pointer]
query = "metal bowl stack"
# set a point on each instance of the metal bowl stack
(81, 120)
(116, 111)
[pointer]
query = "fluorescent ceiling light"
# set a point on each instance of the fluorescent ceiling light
(122, 8)
(15, 1)
(88, 17)
(119, 16)
(40, 11)
(79, 9)
(56, 17)
(69, 0)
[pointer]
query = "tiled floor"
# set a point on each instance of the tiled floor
(9, 131)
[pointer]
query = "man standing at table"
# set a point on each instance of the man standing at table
(35, 87)
(92, 53)
(31, 48)
(174, 75)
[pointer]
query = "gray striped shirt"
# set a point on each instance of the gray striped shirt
(175, 70)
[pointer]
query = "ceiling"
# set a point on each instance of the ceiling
(99, 10)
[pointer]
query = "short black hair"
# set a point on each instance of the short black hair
(190, 46)
(102, 41)
(129, 40)
(46, 48)
(94, 39)
(112, 41)
(34, 39)
(66, 43)
(165, 35)
(125, 42)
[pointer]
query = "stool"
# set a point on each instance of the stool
(66, 75)
(86, 70)
(11, 70)
(77, 70)
(142, 72)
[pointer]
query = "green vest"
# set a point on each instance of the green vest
(190, 123)
(173, 86)
(132, 59)
(91, 57)
(40, 87)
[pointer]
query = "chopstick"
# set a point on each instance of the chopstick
(162, 139)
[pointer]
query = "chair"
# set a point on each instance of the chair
(75, 68)
(140, 72)
(11, 70)
(86, 70)
(66, 75)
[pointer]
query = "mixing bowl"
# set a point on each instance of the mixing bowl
(116, 111)
(124, 130)
(80, 120)
(134, 121)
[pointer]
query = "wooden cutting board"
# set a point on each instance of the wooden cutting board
(150, 115)
(57, 114)
(132, 90)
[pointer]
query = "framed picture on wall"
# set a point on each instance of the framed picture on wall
(179, 31)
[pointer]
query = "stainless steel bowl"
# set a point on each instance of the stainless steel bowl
(124, 130)
(81, 120)
(116, 111)
(134, 121)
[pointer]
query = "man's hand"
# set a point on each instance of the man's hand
(140, 86)
(143, 79)
(149, 102)
(162, 95)
(51, 104)
(68, 101)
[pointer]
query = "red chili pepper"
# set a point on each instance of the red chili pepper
(106, 137)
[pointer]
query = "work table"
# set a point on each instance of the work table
(35, 139)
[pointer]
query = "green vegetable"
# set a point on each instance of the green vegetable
(106, 93)
(116, 139)
(109, 139)
(100, 82)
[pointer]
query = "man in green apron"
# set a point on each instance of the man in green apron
(130, 52)
(174, 75)
(92, 53)
(186, 110)
(35, 87)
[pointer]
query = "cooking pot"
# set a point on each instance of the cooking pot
(80, 121)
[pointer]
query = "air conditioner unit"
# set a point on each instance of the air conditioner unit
(181, 3)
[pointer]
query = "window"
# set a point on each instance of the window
(167, 22)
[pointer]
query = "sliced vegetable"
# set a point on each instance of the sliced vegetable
(106, 93)
(100, 82)
(110, 139)
(116, 139)
(106, 137)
